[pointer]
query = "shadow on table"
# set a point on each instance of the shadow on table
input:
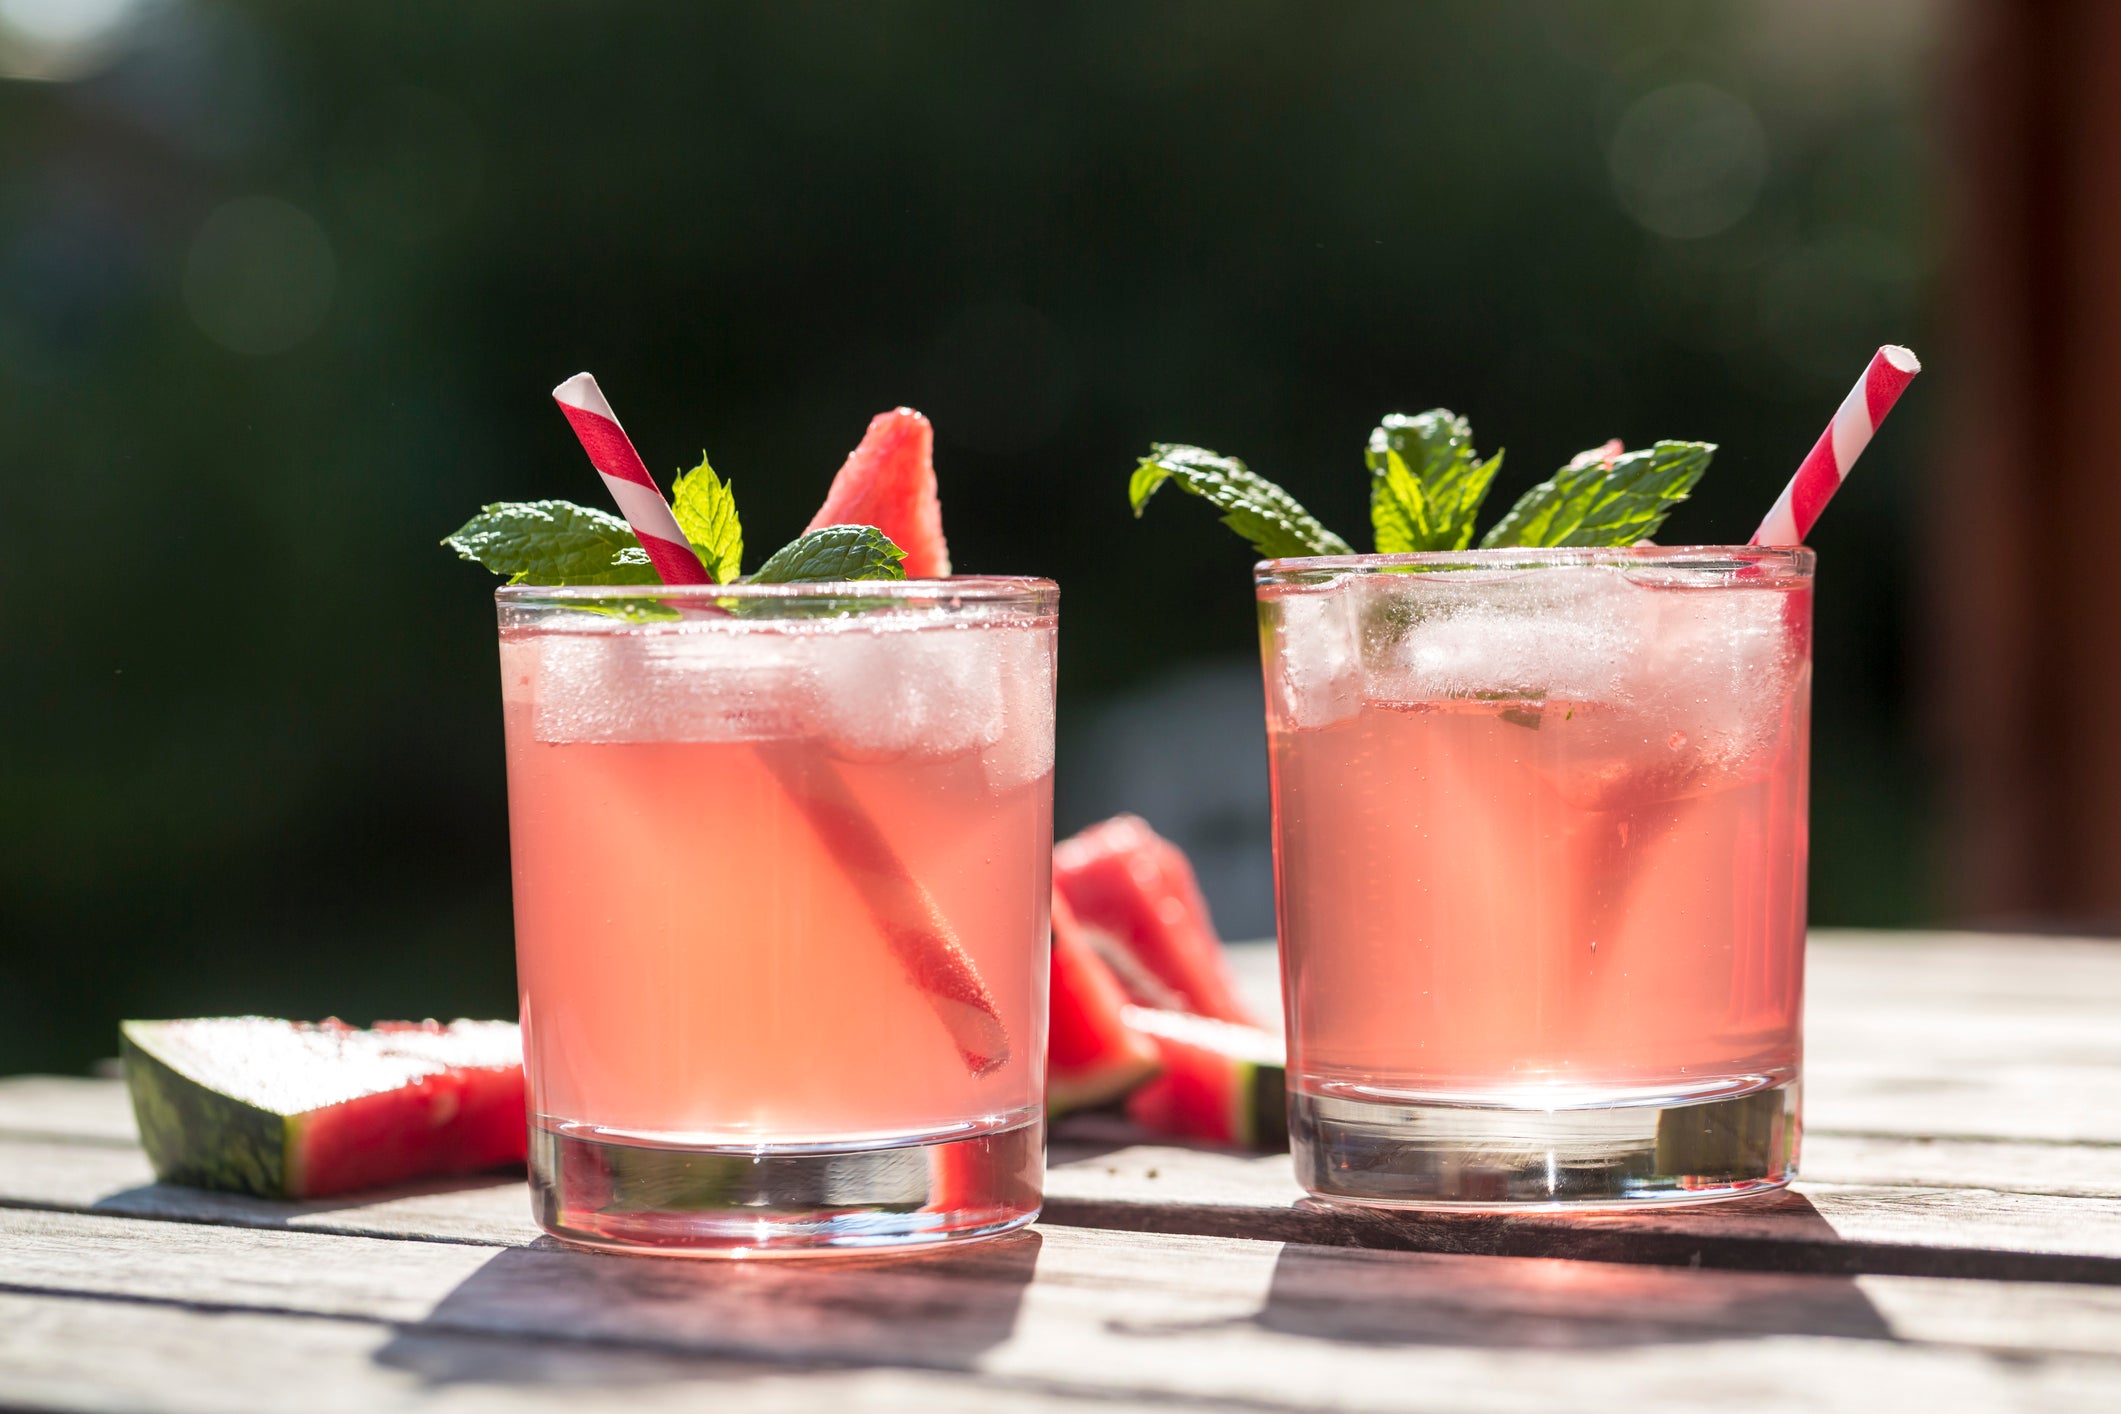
(479, 1207)
(546, 1313)
(1559, 1301)
(1373, 1277)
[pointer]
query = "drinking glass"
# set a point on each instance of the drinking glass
(1540, 829)
(782, 858)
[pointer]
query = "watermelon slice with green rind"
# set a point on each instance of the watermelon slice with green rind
(1219, 1081)
(889, 482)
(283, 1109)
(1092, 1057)
(1125, 880)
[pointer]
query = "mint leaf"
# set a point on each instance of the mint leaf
(705, 506)
(835, 552)
(1603, 497)
(1264, 514)
(1426, 482)
(553, 542)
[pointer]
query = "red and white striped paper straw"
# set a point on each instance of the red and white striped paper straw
(1892, 369)
(626, 477)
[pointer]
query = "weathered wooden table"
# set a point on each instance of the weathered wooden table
(1955, 1243)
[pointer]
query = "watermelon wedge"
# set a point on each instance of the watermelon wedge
(1123, 879)
(1221, 1082)
(1092, 1058)
(287, 1109)
(889, 482)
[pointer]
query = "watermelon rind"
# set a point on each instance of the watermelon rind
(1240, 1072)
(1086, 1089)
(197, 1136)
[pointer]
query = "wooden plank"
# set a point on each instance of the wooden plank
(1077, 1313)
(2066, 1170)
(62, 1174)
(1967, 970)
(68, 1177)
(62, 1106)
(1843, 1228)
(1908, 1099)
(72, 1354)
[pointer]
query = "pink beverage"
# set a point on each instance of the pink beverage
(781, 886)
(1540, 853)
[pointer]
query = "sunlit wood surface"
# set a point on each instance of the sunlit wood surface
(1955, 1243)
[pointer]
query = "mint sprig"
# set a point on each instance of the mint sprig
(1426, 482)
(1264, 514)
(835, 552)
(1426, 488)
(553, 542)
(560, 543)
(705, 507)
(1603, 497)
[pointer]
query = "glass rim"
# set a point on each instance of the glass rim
(1786, 561)
(1005, 590)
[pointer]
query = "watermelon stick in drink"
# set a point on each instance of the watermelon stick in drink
(903, 910)
(767, 831)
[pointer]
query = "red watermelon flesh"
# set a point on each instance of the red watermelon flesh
(1220, 1082)
(889, 482)
(1092, 1058)
(285, 1109)
(1124, 879)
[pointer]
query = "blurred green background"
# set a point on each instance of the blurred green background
(283, 288)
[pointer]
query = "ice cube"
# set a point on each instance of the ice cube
(1024, 750)
(718, 681)
(909, 689)
(1553, 633)
(1721, 668)
(1316, 678)
(1701, 707)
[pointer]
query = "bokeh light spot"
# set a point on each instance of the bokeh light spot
(1688, 160)
(62, 39)
(259, 276)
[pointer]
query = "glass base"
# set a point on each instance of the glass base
(787, 1200)
(1461, 1156)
